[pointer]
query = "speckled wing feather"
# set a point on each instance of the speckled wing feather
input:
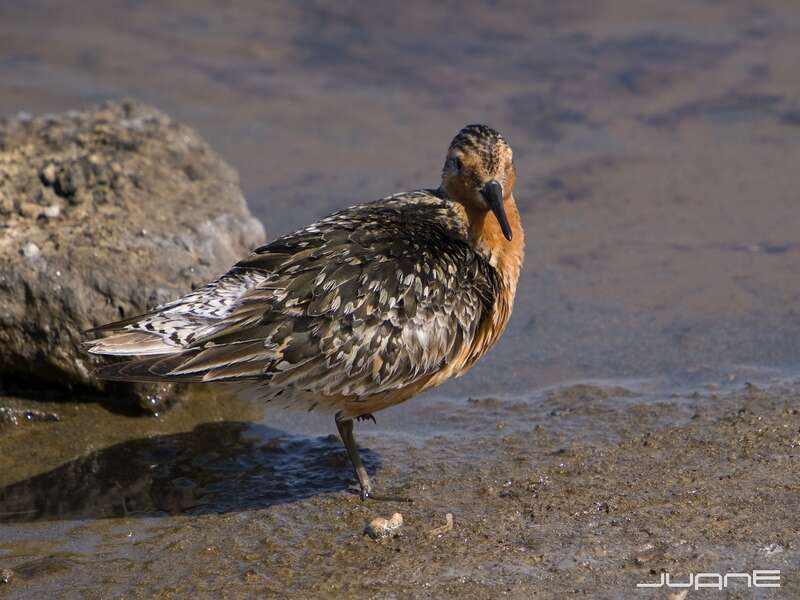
(365, 301)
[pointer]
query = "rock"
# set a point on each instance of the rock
(30, 250)
(380, 528)
(447, 527)
(772, 549)
(48, 174)
(6, 575)
(131, 209)
(52, 211)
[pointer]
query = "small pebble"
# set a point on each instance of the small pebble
(448, 526)
(6, 575)
(30, 250)
(52, 211)
(48, 174)
(772, 549)
(380, 528)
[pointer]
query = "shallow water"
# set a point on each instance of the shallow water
(657, 147)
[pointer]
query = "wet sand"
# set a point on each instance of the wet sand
(583, 491)
(611, 434)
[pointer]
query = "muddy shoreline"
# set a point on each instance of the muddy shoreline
(544, 506)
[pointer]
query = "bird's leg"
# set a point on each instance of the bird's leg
(345, 427)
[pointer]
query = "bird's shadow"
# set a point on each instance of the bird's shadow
(215, 468)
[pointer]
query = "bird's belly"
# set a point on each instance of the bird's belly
(354, 407)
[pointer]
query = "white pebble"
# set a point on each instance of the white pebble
(31, 250)
(52, 211)
(380, 528)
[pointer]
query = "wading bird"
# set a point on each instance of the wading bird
(357, 312)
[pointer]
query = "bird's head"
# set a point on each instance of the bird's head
(479, 172)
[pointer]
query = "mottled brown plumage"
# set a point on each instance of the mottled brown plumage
(356, 312)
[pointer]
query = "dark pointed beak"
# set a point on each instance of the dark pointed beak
(492, 192)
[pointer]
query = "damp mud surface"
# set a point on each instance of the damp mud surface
(641, 414)
(583, 491)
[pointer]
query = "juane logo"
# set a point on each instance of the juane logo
(719, 581)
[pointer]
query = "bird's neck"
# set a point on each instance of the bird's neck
(487, 237)
(506, 257)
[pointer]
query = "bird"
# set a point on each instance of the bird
(354, 313)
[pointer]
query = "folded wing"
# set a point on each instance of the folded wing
(363, 302)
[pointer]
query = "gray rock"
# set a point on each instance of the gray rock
(146, 211)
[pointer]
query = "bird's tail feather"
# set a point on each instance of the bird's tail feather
(132, 343)
(147, 370)
(169, 369)
(119, 325)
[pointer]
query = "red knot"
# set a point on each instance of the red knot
(357, 312)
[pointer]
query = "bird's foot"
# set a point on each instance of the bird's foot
(388, 498)
(368, 494)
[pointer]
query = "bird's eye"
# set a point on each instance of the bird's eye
(455, 162)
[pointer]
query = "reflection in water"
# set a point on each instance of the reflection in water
(217, 467)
